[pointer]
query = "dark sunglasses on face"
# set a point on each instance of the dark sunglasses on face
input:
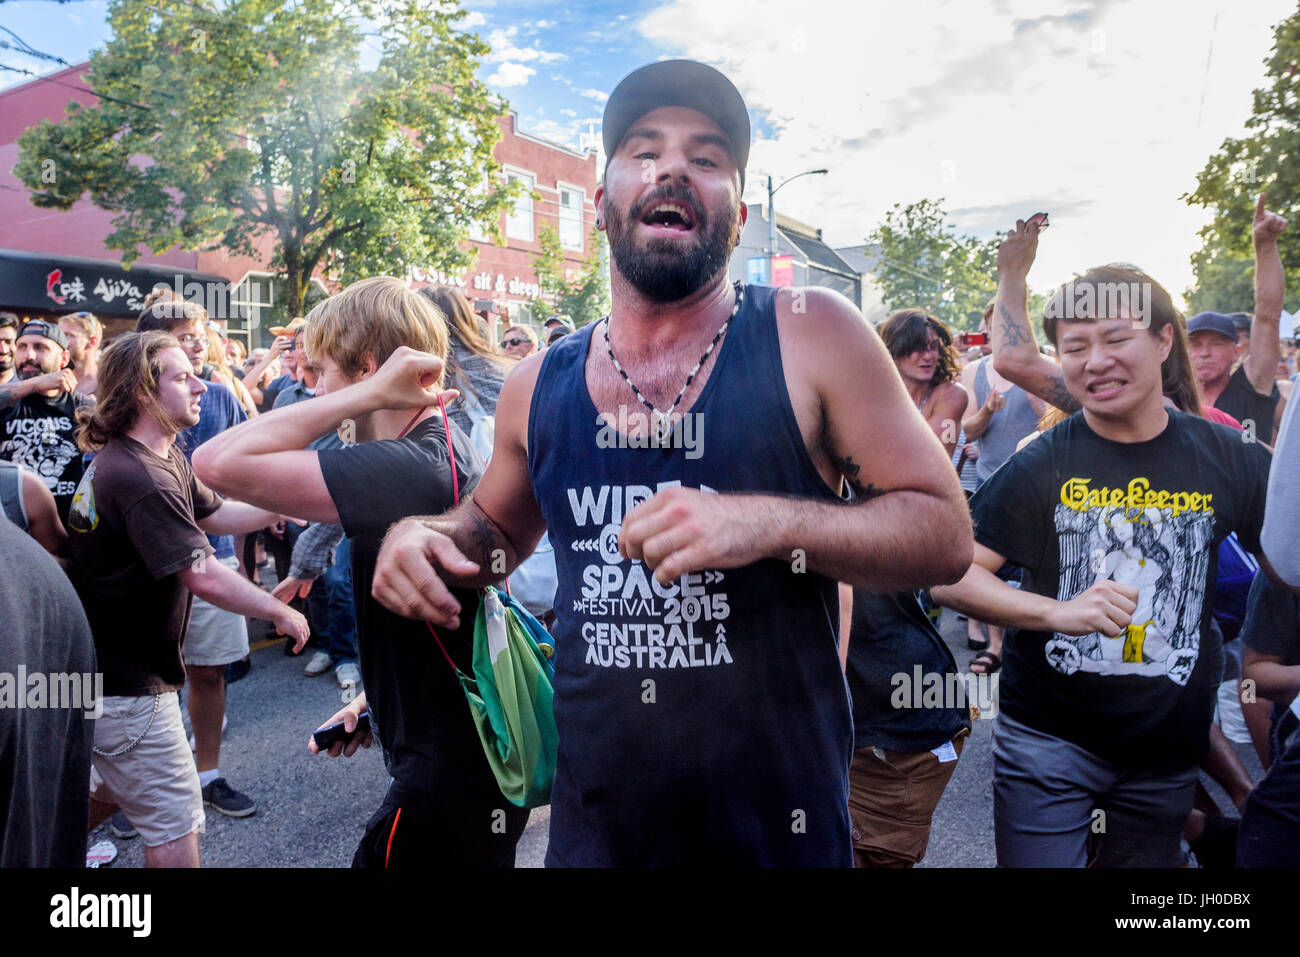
(511, 343)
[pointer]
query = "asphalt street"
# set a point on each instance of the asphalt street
(312, 809)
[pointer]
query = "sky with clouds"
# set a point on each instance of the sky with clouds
(1099, 111)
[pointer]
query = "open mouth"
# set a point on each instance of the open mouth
(669, 216)
(1105, 388)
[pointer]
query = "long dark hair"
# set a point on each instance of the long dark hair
(904, 333)
(128, 369)
(1176, 378)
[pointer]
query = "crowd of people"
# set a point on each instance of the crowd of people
(1113, 511)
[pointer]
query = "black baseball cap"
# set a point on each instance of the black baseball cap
(1241, 320)
(688, 83)
(1213, 322)
(50, 330)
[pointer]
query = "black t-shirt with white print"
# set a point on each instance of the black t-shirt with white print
(1073, 508)
(431, 746)
(40, 432)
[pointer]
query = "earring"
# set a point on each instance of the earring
(600, 223)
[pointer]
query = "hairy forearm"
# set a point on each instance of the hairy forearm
(480, 539)
(236, 518)
(983, 596)
(894, 541)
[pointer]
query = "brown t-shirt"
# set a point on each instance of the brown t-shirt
(133, 526)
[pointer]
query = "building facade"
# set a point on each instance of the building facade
(803, 258)
(53, 262)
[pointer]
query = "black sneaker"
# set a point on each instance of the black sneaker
(121, 827)
(226, 800)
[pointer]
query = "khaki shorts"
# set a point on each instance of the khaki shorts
(215, 636)
(892, 797)
(155, 783)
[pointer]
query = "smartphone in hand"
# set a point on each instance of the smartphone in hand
(326, 737)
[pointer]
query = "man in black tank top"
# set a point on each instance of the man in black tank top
(702, 712)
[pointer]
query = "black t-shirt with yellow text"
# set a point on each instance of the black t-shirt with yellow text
(1074, 508)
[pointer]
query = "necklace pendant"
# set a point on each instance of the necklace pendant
(665, 423)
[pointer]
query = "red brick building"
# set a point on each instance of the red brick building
(55, 262)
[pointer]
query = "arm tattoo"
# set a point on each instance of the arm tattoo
(1058, 395)
(850, 470)
(482, 538)
(8, 394)
(1013, 332)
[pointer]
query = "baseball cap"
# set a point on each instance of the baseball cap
(50, 330)
(1241, 320)
(1213, 322)
(688, 83)
(558, 320)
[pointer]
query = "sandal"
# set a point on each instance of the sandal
(990, 661)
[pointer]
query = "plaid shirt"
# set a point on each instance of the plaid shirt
(313, 553)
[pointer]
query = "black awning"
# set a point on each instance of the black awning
(52, 283)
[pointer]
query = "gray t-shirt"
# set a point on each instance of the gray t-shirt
(44, 750)
(1006, 428)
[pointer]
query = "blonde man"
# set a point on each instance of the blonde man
(379, 347)
(84, 334)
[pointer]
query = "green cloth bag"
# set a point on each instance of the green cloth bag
(510, 698)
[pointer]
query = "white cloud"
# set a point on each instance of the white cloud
(1100, 111)
(543, 24)
(597, 95)
(510, 74)
(504, 50)
(472, 20)
(568, 112)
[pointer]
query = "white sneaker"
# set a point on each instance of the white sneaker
(348, 675)
(318, 665)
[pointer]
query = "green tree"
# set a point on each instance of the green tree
(583, 299)
(1224, 283)
(1241, 169)
(924, 262)
(220, 124)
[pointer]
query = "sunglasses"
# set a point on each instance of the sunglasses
(511, 343)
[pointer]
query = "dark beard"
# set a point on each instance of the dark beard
(663, 271)
(28, 373)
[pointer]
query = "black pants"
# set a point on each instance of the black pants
(455, 831)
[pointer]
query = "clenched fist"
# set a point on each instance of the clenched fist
(1106, 608)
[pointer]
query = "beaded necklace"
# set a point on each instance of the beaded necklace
(663, 418)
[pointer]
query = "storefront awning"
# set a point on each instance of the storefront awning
(48, 282)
